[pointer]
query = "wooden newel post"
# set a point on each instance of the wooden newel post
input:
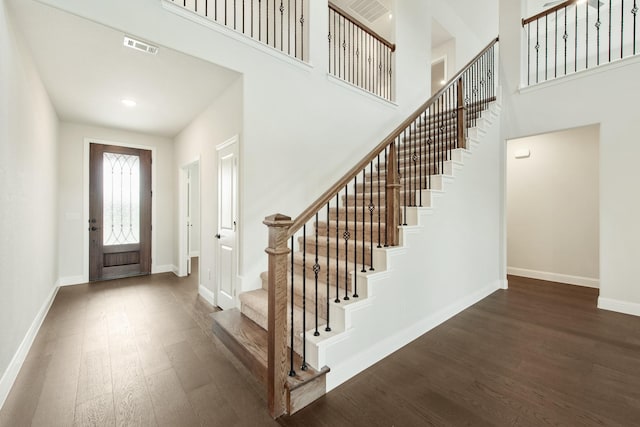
(462, 135)
(277, 316)
(392, 196)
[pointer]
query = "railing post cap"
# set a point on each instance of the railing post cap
(277, 220)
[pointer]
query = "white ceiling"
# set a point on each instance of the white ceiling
(481, 16)
(87, 71)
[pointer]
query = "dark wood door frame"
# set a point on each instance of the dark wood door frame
(113, 261)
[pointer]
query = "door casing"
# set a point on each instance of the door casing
(85, 202)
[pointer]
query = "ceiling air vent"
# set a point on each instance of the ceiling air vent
(370, 10)
(140, 45)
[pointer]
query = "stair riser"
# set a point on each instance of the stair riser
(407, 198)
(421, 148)
(354, 252)
(341, 277)
(370, 228)
(414, 183)
(452, 116)
(341, 213)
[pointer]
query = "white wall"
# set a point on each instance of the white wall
(553, 207)
(301, 130)
(608, 96)
(72, 203)
(221, 121)
(28, 203)
(449, 259)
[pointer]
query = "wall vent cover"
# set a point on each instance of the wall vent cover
(140, 45)
(370, 10)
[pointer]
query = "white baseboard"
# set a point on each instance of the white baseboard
(619, 306)
(363, 360)
(71, 280)
(10, 375)
(167, 268)
(206, 294)
(555, 277)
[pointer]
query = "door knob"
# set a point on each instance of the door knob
(93, 228)
(218, 236)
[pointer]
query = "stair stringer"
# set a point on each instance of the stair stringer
(397, 302)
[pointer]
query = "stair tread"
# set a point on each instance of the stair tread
(244, 338)
(258, 300)
(253, 340)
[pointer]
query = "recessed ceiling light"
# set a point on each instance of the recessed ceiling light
(129, 103)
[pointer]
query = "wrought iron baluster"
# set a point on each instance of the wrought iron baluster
(289, 28)
(586, 26)
(260, 20)
(546, 47)
(404, 174)
(364, 225)
(610, 18)
(555, 46)
(634, 11)
(379, 213)
(565, 36)
(316, 271)
(386, 180)
(621, 29)
(371, 209)
(537, 47)
(529, 53)
(598, 36)
(302, 30)
(347, 236)
(292, 372)
(337, 300)
(575, 56)
(328, 327)
(304, 297)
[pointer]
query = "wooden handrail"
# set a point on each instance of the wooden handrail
(362, 26)
(548, 11)
(308, 213)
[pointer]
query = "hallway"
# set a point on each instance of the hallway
(140, 351)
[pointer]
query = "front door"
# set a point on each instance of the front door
(227, 223)
(119, 212)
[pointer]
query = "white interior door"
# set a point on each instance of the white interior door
(227, 223)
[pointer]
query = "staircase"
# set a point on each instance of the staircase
(342, 248)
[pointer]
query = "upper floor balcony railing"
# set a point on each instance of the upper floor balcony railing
(276, 23)
(576, 35)
(358, 55)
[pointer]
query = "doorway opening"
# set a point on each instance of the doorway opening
(553, 205)
(189, 212)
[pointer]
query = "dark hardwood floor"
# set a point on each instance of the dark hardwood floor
(538, 354)
(135, 351)
(140, 352)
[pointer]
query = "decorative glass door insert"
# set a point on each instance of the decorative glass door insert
(121, 199)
